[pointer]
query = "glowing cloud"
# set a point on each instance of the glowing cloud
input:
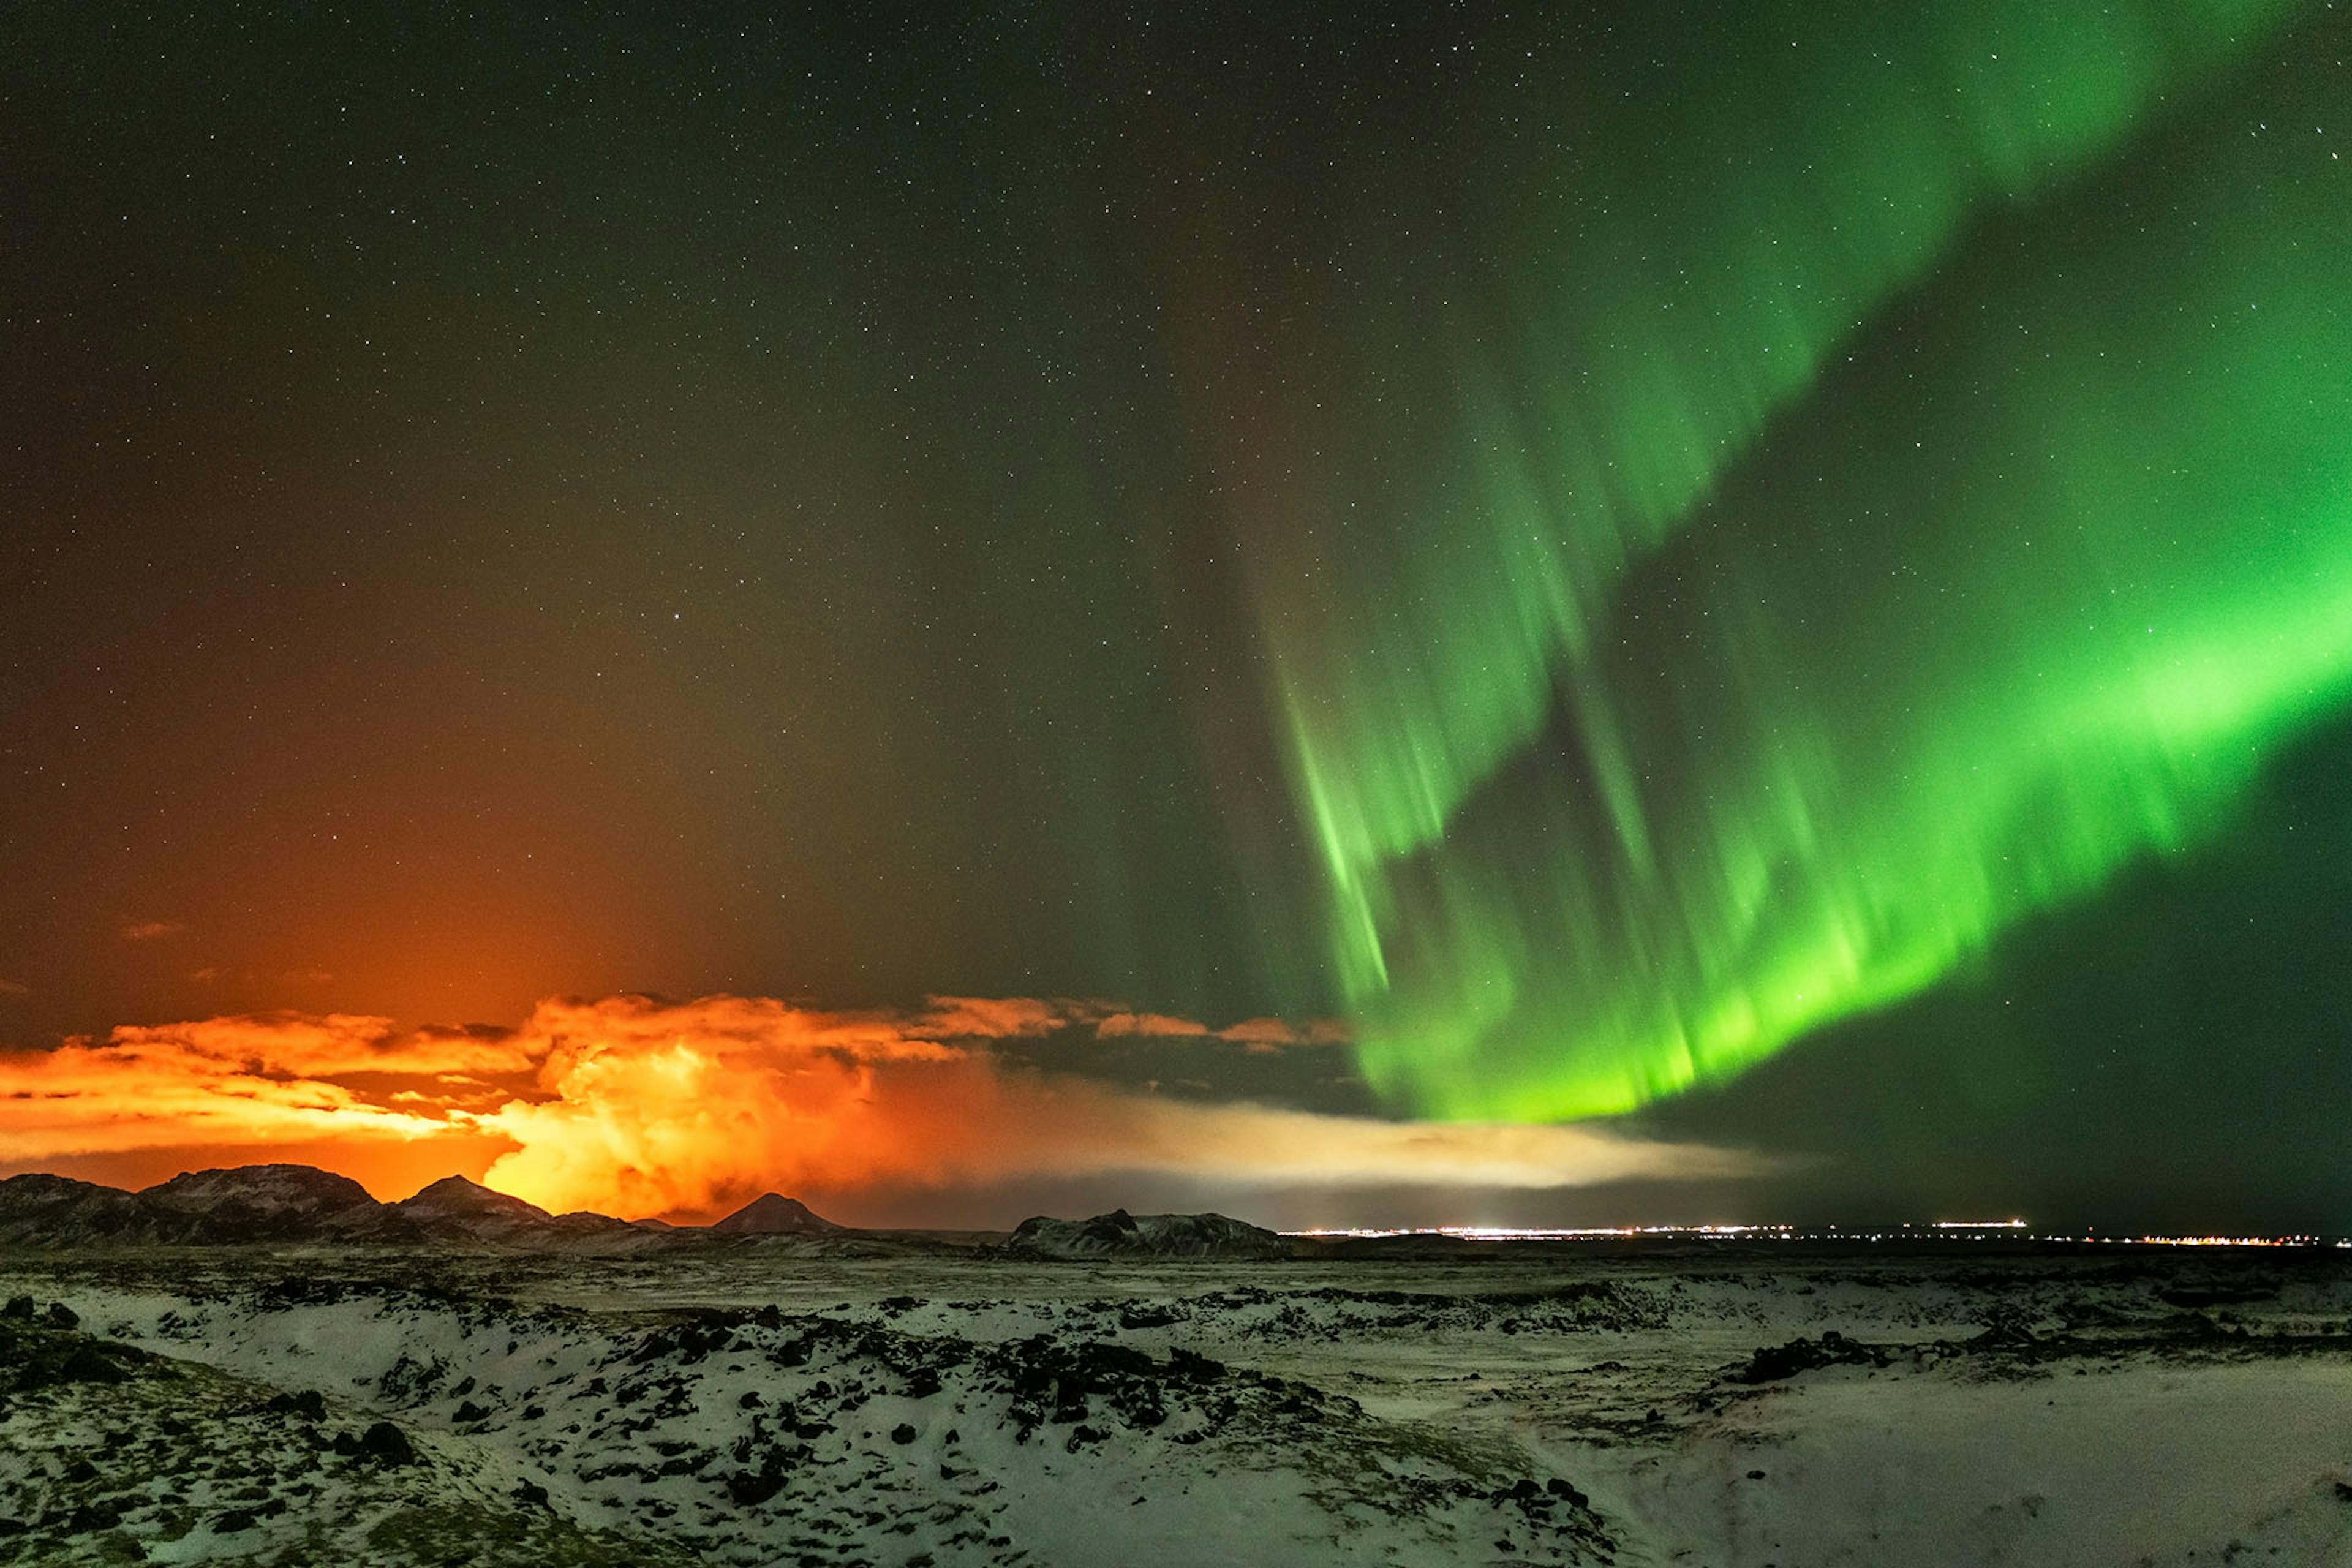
(223, 1082)
(311, 1046)
(997, 1017)
(632, 1105)
(653, 1106)
(1156, 1024)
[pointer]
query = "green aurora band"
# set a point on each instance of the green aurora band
(1911, 491)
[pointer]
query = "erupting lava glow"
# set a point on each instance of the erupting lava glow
(633, 1106)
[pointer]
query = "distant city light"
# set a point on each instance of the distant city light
(1942, 1229)
(1545, 1233)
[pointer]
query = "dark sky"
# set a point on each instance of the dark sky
(1774, 570)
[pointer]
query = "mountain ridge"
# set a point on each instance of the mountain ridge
(294, 1205)
(298, 1205)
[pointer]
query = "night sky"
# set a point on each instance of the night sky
(1764, 587)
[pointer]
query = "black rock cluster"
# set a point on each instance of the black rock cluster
(1771, 1363)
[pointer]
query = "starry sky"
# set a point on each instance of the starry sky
(1744, 612)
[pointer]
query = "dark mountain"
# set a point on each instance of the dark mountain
(1120, 1235)
(257, 1202)
(262, 1189)
(454, 1209)
(292, 1205)
(455, 1201)
(773, 1213)
(298, 1205)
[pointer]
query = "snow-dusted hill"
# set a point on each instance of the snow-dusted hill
(1124, 1236)
(250, 1205)
(284, 1204)
(289, 1205)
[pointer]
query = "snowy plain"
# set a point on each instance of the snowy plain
(1732, 1406)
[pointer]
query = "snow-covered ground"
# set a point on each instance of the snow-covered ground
(1734, 1408)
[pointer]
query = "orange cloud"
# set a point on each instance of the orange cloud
(225, 1081)
(313, 1045)
(149, 931)
(15, 988)
(650, 1106)
(1260, 1034)
(996, 1018)
(1272, 1033)
(1159, 1025)
(633, 1105)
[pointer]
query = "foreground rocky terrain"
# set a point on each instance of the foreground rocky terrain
(1730, 1408)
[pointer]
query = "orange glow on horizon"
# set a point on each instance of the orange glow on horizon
(633, 1106)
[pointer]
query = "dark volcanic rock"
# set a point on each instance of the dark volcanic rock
(1144, 1315)
(2225, 1294)
(747, 1489)
(1770, 1364)
(88, 1364)
(1051, 1382)
(103, 1514)
(773, 1213)
(309, 1404)
(387, 1443)
(47, 1351)
(1121, 1235)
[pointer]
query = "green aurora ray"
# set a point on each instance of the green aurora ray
(1914, 490)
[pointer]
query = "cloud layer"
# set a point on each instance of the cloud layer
(634, 1105)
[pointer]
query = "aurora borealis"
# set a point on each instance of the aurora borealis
(2101, 555)
(1491, 568)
